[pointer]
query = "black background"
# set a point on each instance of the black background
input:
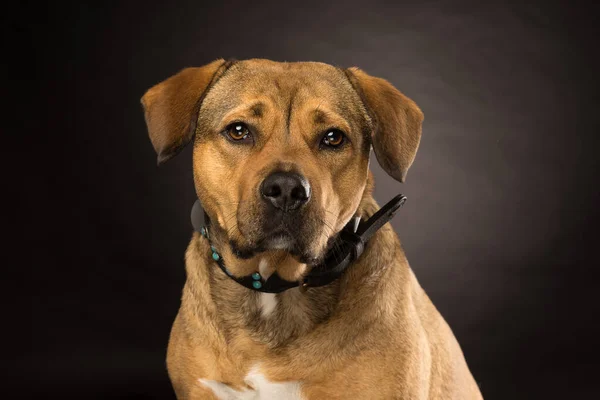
(503, 197)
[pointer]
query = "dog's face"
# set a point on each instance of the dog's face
(281, 155)
(281, 150)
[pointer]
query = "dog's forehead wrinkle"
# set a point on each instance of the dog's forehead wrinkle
(290, 109)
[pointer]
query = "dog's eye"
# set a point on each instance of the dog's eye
(238, 132)
(333, 138)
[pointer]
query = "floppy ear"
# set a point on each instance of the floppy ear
(171, 107)
(397, 122)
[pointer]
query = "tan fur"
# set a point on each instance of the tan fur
(372, 334)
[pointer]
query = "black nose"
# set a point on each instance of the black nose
(285, 190)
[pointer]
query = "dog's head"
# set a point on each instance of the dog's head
(281, 150)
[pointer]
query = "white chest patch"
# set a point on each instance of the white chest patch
(263, 389)
(267, 301)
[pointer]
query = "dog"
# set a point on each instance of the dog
(281, 166)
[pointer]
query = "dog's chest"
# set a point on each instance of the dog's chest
(263, 389)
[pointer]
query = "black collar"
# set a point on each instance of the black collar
(351, 242)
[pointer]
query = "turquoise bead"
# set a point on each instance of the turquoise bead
(203, 231)
(257, 284)
(256, 276)
(215, 256)
(213, 249)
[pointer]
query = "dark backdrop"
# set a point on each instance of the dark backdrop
(502, 198)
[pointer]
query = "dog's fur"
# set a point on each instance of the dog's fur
(373, 333)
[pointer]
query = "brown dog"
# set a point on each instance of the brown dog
(281, 165)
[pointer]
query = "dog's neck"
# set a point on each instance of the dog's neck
(267, 317)
(277, 319)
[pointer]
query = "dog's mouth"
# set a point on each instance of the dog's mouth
(301, 234)
(282, 239)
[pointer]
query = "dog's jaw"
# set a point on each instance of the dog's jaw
(278, 243)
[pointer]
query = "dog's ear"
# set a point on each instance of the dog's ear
(397, 122)
(171, 107)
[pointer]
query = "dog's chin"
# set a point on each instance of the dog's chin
(279, 241)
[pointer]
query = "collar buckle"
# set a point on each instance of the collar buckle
(356, 243)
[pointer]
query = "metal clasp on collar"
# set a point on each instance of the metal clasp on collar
(303, 286)
(356, 242)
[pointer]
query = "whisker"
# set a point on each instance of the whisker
(230, 230)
